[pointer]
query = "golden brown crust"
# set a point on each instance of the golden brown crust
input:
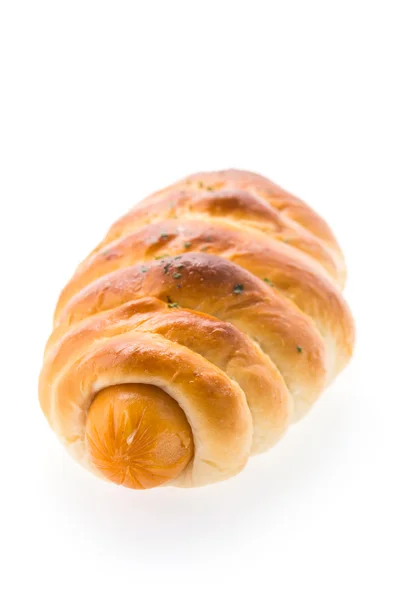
(287, 204)
(277, 265)
(220, 343)
(240, 207)
(222, 295)
(216, 286)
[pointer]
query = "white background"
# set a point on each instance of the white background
(104, 102)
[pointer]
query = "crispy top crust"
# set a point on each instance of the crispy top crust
(223, 291)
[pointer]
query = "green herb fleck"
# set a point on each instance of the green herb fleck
(299, 349)
(160, 256)
(180, 266)
(187, 244)
(178, 257)
(173, 305)
(238, 289)
(166, 267)
(164, 236)
(177, 275)
(268, 281)
(144, 269)
(209, 188)
(204, 249)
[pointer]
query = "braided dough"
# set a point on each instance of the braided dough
(208, 319)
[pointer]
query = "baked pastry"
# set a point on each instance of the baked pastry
(208, 319)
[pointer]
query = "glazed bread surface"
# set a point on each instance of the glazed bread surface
(209, 318)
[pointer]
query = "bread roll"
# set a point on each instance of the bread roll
(209, 319)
